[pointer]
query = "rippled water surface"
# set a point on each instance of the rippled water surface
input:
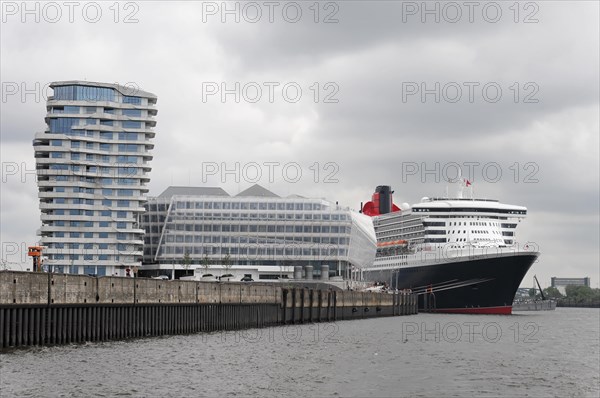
(554, 353)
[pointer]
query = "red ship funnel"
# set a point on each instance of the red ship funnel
(381, 202)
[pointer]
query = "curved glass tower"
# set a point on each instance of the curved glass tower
(92, 165)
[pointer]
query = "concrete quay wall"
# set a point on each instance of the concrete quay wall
(28, 288)
(46, 309)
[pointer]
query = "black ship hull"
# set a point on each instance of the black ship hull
(482, 285)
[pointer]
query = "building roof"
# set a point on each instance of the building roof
(130, 90)
(193, 191)
(257, 191)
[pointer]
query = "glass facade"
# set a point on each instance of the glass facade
(256, 231)
(84, 93)
(91, 193)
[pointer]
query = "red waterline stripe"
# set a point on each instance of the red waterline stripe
(505, 310)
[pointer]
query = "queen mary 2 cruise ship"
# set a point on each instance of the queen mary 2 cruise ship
(460, 255)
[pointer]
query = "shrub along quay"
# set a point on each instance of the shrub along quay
(46, 308)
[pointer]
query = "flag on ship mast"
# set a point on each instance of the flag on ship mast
(469, 184)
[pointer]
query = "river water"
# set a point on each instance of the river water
(534, 354)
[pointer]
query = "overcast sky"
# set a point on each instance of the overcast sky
(335, 98)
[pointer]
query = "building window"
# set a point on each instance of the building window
(132, 112)
(128, 124)
(71, 109)
(84, 93)
(132, 100)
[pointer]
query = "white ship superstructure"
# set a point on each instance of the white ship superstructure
(462, 251)
(438, 229)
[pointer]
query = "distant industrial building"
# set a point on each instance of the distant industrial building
(256, 233)
(562, 283)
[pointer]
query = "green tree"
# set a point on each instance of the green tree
(532, 292)
(187, 261)
(552, 293)
(206, 263)
(581, 293)
(226, 261)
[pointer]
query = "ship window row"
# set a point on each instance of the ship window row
(435, 232)
(475, 223)
(469, 210)
(434, 224)
(435, 240)
(475, 231)
(508, 225)
(400, 231)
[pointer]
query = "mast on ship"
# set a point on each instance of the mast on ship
(462, 183)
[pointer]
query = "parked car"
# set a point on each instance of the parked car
(226, 278)
(162, 277)
(208, 278)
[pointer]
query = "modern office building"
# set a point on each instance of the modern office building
(92, 166)
(255, 232)
(562, 283)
